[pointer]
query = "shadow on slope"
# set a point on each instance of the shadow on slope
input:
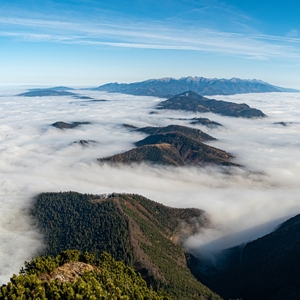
(267, 268)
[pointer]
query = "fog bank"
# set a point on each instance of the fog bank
(243, 203)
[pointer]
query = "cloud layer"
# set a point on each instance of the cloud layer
(242, 203)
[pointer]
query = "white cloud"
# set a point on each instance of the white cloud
(154, 35)
(38, 158)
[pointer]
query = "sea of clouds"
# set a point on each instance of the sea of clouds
(243, 203)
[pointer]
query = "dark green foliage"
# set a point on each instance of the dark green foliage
(71, 221)
(107, 280)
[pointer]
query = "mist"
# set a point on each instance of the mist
(242, 203)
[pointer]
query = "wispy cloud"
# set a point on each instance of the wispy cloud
(153, 36)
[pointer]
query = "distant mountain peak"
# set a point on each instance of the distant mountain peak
(190, 79)
(163, 79)
(234, 79)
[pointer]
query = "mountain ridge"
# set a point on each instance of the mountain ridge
(145, 234)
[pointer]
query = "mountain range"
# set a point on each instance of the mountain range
(168, 87)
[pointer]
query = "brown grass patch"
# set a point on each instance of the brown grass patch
(69, 272)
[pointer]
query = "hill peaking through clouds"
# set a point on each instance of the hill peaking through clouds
(173, 145)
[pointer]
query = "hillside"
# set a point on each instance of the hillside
(75, 275)
(191, 101)
(172, 145)
(143, 233)
(160, 154)
(267, 268)
(166, 87)
(188, 149)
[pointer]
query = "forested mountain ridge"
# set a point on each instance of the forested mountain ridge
(144, 234)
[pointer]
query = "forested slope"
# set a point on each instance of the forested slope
(143, 233)
(72, 275)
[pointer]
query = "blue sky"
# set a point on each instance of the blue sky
(94, 42)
